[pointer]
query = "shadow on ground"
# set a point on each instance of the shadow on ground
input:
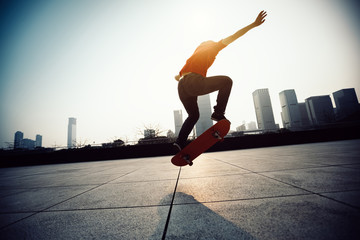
(195, 221)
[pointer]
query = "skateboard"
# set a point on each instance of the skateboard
(211, 136)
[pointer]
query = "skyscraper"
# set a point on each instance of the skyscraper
(263, 109)
(28, 144)
(38, 141)
(305, 122)
(204, 121)
(290, 112)
(251, 126)
(320, 110)
(18, 139)
(71, 142)
(178, 120)
(346, 102)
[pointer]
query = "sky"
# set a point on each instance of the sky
(111, 63)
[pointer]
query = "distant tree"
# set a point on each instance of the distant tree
(81, 143)
(155, 130)
(9, 145)
(115, 143)
(118, 143)
(170, 134)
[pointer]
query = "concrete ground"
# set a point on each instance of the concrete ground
(309, 191)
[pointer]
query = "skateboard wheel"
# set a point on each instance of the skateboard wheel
(187, 159)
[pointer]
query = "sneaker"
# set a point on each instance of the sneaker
(217, 117)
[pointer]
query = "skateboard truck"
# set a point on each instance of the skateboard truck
(211, 136)
(216, 134)
(187, 159)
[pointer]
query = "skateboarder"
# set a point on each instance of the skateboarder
(193, 81)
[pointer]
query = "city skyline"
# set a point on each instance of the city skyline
(102, 63)
(25, 143)
(299, 116)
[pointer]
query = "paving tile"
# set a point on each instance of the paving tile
(296, 217)
(8, 192)
(295, 156)
(148, 175)
(197, 221)
(37, 199)
(233, 187)
(127, 223)
(133, 194)
(349, 197)
(266, 162)
(206, 166)
(10, 218)
(34, 181)
(325, 179)
(66, 174)
(152, 169)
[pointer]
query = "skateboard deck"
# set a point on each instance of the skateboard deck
(211, 136)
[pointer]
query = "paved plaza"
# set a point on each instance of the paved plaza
(309, 191)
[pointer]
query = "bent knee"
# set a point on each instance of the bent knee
(228, 81)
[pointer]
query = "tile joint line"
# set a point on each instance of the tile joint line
(171, 205)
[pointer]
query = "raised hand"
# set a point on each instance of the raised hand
(260, 18)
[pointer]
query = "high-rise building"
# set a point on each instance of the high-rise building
(18, 139)
(251, 126)
(263, 110)
(178, 120)
(28, 144)
(38, 141)
(25, 143)
(305, 122)
(346, 102)
(290, 112)
(204, 121)
(320, 110)
(240, 128)
(71, 142)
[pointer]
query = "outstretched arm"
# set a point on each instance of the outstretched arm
(259, 20)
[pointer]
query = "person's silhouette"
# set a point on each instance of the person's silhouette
(193, 81)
